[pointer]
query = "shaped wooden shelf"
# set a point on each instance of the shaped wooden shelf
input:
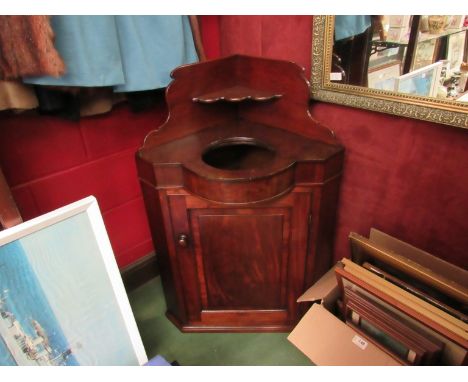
(237, 94)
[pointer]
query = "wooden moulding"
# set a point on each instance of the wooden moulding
(365, 248)
(422, 314)
(407, 343)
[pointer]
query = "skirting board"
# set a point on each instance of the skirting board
(141, 271)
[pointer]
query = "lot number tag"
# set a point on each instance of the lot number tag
(359, 342)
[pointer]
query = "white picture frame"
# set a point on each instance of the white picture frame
(463, 98)
(421, 82)
(399, 21)
(62, 299)
(456, 22)
(424, 54)
(455, 50)
(384, 78)
(398, 35)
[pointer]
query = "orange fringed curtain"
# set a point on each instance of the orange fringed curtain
(27, 48)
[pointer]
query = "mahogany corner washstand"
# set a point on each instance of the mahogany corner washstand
(240, 186)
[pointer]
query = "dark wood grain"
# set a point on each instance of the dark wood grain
(243, 195)
(243, 274)
(290, 112)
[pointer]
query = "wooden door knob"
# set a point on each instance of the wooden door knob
(182, 240)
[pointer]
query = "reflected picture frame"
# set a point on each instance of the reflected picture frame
(421, 82)
(384, 78)
(456, 22)
(323, 89)
(425, 54)
(62, 299)
(455, 50)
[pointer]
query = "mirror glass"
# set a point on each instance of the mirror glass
(421, 55)
(371, 64)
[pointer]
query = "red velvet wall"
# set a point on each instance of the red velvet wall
(404, 176)
(49, 162)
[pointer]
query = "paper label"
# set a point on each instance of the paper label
(336, 76)
(359, 342)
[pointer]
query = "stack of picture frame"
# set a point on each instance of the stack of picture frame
(409, 344)
(409, 303)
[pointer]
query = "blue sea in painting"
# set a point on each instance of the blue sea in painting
(22, 295)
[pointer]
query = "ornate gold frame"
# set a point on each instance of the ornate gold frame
(322, 89)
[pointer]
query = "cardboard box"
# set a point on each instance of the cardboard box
(328, 341)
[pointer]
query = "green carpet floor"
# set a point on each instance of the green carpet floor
(161, 337)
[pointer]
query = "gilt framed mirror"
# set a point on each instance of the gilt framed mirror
(412, 66)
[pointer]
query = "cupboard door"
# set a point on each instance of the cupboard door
(242, 257)
(241, 267)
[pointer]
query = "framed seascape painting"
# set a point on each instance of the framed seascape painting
(62, 299)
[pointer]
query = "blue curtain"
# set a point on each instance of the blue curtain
(128, 53)
(350, 25)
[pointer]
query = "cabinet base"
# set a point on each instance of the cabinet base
(194, 328)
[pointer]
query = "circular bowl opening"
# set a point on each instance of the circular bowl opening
(238, 154)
